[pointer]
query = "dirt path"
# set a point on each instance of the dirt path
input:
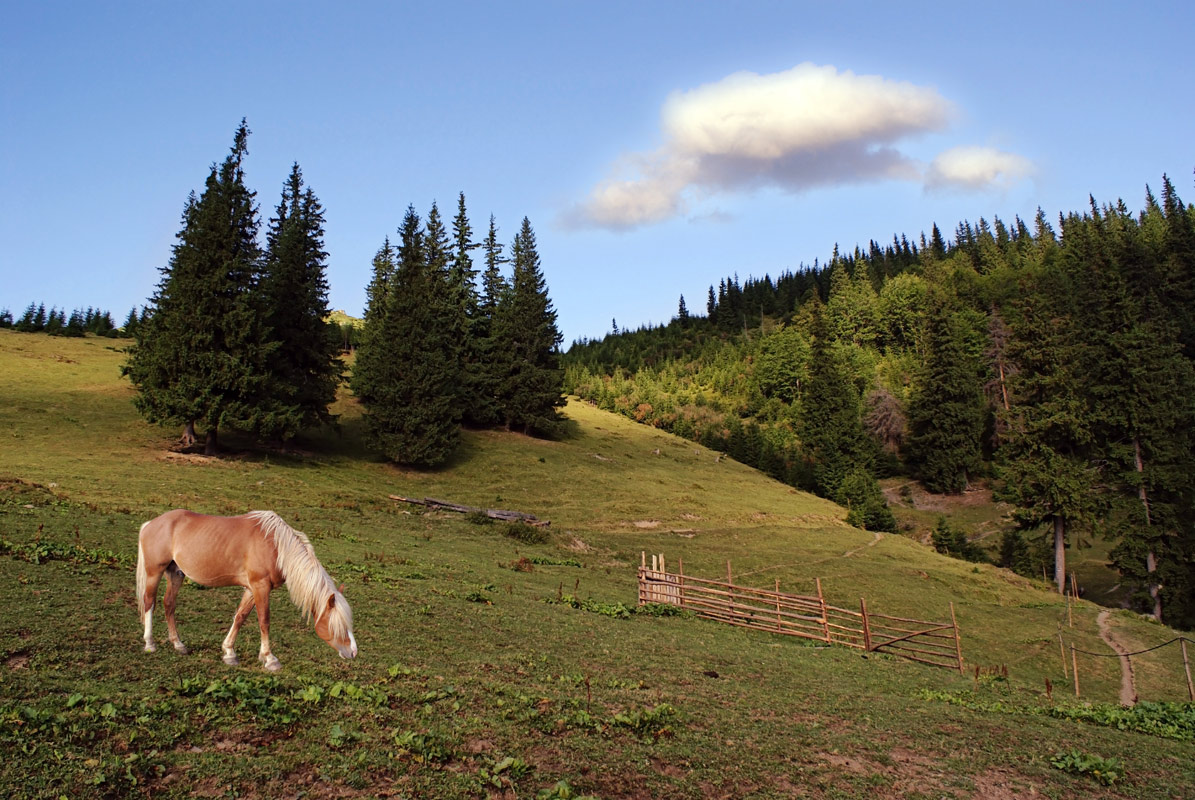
(1128, 692)
(872, 543)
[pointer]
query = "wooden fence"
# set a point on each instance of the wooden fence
(806, 616)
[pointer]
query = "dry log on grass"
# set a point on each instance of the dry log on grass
(492, 513)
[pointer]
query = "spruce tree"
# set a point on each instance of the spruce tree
(527, 344)
(488, 370)
(200, 357)
(405, 373)
(304, 369)
(946, 414)
(1047, 453)
(831, 416)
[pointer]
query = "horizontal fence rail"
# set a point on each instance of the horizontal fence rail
(805, 616)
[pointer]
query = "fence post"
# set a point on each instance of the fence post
(680, 584)
(1187, 666)
(1075, 669)
(779, 623)
(642, 577)
(958, 646)
(866, 627)
(663, 598)
(822, 602)
(1062, 652)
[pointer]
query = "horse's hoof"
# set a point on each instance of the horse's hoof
(273, 664)
(182, 648)
(150, 647)
(232, 661)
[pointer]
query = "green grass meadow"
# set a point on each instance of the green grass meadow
(471, 682)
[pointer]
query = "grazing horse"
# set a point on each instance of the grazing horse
(256, 550)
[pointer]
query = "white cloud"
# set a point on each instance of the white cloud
(806, 109)
(975, 167)
(794, 130)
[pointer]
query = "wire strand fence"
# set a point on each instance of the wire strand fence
(935, 643)
(1072, 596)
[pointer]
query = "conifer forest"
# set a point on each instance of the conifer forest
(1053, 360)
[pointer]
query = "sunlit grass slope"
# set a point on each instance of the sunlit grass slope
(465, 668)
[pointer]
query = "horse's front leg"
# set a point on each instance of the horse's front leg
(238, 619)
(268, 659)
(174, 582)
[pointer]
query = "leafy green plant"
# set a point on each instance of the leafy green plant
(554, 562)
(338, 737)
(46, 550)
(503, 773)
(1105, 770)
(425, 747)
(654, 722)
(263, 698)
(615, 610)
(1167, 720)
(561, 790)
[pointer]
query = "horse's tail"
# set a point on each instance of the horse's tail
(141, 576)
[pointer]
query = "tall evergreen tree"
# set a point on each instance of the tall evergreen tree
(201, 356)
(304, 369)
(1047, 452)
(831, 415)
(946, 414)
(463, 299)
(405, 374)
(527, 343)
(488, 370)
(385, 264)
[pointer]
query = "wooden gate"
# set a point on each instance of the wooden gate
(806, 616)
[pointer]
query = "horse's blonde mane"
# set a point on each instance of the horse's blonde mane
(307, 581)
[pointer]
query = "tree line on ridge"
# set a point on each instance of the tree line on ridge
(1057, 361)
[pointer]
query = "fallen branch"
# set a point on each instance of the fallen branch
(492, 513)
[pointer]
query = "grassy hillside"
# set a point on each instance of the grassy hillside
(469, 684)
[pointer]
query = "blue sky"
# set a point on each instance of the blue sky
(655, 146)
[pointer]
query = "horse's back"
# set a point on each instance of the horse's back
(214, 551)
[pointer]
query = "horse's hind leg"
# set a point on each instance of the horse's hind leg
(148, 596)
(238, 619)
(174, 578)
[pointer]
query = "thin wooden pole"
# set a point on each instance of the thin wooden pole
(663, 580)
(1070, 620)
(1187, 666)
(779, 622)
(866, 628)
(822, 602)
(1062, 652)
(1075, 669)
(958, 645)
(680, 566)
(729, 585)
(642, 577)
(1074, 587)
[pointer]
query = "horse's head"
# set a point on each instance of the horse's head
(335, 626)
